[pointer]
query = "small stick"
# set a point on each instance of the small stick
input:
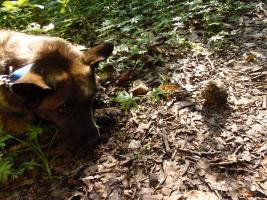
(230, 139)
(264, 101)
(226, 163)
(109, 193)
(214, 190)
(169, 118)
(258, 76)
(147, 133)
(240, 170)
(187, 165)
(200, 153)
(210, 62)
(174, 154)
(191, 158)
(203, 153)
(166, 142)
(190, 151)
(238, 148)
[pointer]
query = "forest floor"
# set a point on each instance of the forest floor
(178, 147)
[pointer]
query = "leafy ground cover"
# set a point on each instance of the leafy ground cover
(167, 142)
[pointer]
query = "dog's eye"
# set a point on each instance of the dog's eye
(63, 109)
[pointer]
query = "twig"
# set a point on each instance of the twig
(226, 163)
(166, 142)
(152, 169)
(240, 170)
(258, 76)
(200, 153)
(211, 187)
(189, 151)
(238, 148)
(109, 193)
(174, 154)
(203, 153)
(134, 194)
(196, 57)
(187, 165)
(143, 179)
(211, 63)
(169, 118)
(214, 190)
(230, 139)
(264, 101)
(191, 158)
(147, 132)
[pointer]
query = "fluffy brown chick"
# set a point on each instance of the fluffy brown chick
(214, 93)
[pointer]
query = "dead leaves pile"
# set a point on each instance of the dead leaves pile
(186, 149)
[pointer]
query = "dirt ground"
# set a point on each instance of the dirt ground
(179, 147)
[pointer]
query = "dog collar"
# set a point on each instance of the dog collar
(7, 80)
(17, 74)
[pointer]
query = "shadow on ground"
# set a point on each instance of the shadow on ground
(215, 118)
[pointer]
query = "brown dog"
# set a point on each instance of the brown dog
(58, 86)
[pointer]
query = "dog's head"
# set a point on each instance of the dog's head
(61, 86)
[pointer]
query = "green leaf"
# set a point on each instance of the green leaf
(13, 5)
(34, 132)
(23, 2)
(10, 5)
(26, 166)
(3, 139)
(5, 171)
(156, 94)
(126, 100)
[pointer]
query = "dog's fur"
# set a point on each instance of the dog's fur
(60, 87)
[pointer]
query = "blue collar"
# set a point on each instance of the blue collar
(17, 74)
(8, 80)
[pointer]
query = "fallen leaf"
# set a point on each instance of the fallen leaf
(250, 57)
(170, 87)
(200, 195)
(135, 144)
(153, 197)
(142, 127)
(141, 89)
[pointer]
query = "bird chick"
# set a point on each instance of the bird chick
(214, 93)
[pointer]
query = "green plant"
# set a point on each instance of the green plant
(138, 25)
(3, 138)
(10, 168)
(9, 171)
(138, 155)
(5, 170)
(15, 5)
(125, 100)
(156, 94)
(33, 133)
(24, 166)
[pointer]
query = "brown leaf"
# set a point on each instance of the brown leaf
(202, 165)
(143, 127)
(124, 77)
(170, 87)
(141, 89)
(201, 195)
(250, 57)
(153, 197)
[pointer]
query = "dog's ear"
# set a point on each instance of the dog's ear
(32, 88)
(97, 54)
